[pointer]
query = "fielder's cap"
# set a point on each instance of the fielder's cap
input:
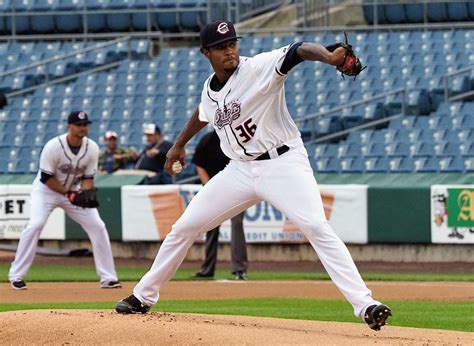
(78, 117)
(151, 129)
(111, 134)
(217, 32)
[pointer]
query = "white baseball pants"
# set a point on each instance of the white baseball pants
(287, 182)
(43, 202)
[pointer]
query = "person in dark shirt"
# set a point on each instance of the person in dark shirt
(113, 158)
(153, 157)
(210, 160)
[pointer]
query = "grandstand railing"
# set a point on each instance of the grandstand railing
(64, 57)
(312, 118)
(461, 96)
(235, 10)
(312, 13)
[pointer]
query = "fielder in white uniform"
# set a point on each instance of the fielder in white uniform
(245, 101)
(67, 163)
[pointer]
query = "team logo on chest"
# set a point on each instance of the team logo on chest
(70, 169)
(227, 115)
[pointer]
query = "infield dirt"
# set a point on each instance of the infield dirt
(61, 327)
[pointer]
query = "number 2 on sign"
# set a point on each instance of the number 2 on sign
(247, 130)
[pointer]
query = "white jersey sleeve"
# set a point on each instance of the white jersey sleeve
(266, 68)
(48, 157)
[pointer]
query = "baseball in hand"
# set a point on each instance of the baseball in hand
(177, 167)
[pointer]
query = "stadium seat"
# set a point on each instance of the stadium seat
(69, 22)
(426, 164)
(451, 164)
(192, 18)
(372, 150)
(43, 24)
(327, 165)
(376, 165)
(414, 13)
(143, 21)
(19, 23)
(437, 12)
(394, 13)
(167, 21)
(352, 165)
(457, 11)
(120, 20)
(96, 22)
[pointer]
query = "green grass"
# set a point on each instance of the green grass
(427, 314)
(82, 273)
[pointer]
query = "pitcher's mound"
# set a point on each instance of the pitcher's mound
(96, 327)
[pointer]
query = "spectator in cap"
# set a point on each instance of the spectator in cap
(112, 157)
(153, 156)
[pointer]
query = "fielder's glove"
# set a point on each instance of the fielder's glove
(84, 199)
(351, 65)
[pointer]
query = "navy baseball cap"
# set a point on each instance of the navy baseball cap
(78, 117)
(217, 32)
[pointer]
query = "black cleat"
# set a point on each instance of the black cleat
(19, 284)
(111, 284)
(376, 315)
(240, 275)
(131, 305)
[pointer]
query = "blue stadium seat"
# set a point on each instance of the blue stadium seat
(360, 137)
(397, 149)
(414, 13)
(118, 21)
(466, 148)
(71, 22)
(469, 164)
(394, 13)
(405, 122)
(352, 165)
(426, 164)
(327, 165)
(377, 165)
(95, 21)
(167, 21)
(470, 7)
(192, 19)
(43, 24)
(437, 12)
(326, 150)
(457, 11)
(418, 102)
(140, 21)
(21, 23)
(451, 164)
(346, 150)
(372, 150)
(374, 13)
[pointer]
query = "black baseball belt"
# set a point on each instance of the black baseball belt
(280, 151)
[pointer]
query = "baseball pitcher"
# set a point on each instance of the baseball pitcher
(244, 99)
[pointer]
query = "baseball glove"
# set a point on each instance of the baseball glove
(351, 66)
(84, 199)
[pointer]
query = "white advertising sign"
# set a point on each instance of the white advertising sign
(15, 213)
(148, 212)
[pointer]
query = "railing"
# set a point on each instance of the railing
(447, 90)
(235, 10)
(46, 62)
(312, 13)
(314, 117)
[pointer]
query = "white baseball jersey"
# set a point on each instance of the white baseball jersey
(69, 169)
(248, 124)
